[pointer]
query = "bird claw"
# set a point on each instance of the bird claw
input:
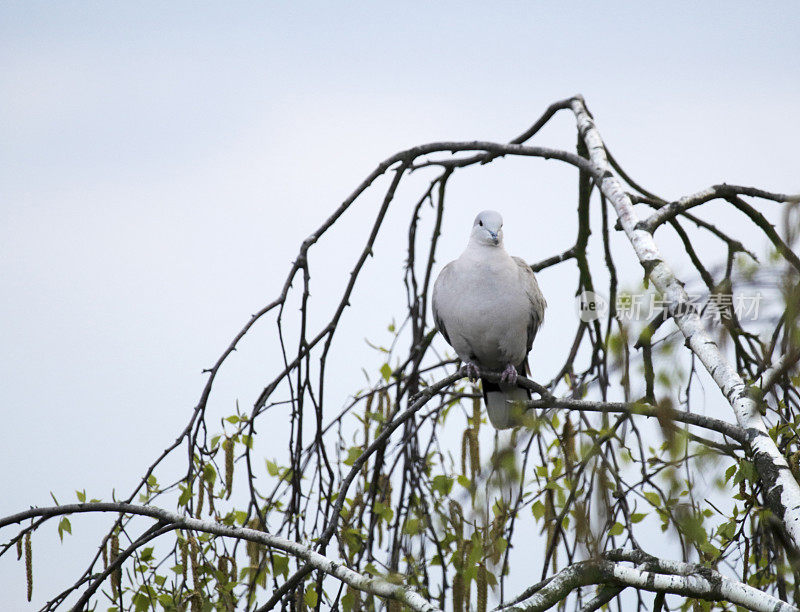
(509, 375)
(472, 371)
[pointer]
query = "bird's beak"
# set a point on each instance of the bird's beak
(495, 239)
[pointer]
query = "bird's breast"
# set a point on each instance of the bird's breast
(492, 315)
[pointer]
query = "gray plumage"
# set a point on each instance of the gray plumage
(488, 306)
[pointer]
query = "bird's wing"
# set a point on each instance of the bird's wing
(537, 301)
(441, 291)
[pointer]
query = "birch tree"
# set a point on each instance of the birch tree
(405, 497)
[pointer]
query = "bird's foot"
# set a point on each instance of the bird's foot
(472, 371)
(509, 375)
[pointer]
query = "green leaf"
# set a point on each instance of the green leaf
(311, 596)
(653, 498)
(748, 470)
(412, 526)
(209, 473)
(272, 468)
(81, 495)
(538, 509)
(386, 371)
(637, 517)
(383, 511)
(349, 600)
(64, 525)
(727, 530)
(353, 453)
(730, 472)
(442, 484)
(692, 527)
(371, 570)
(616, 529)
(280, 565)
(141, 602)
(233, 419)
(186, 495)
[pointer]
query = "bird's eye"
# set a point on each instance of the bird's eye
(480, 223)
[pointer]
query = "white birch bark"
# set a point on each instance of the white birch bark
(337, 569)
(782, 490)
(708, 585)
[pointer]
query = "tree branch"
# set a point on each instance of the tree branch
(727, 429)
(691, 581)
(782, 490)
(673, 209)
(374, 585)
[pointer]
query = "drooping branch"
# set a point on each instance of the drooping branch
(657, 576)
(337, 569)
(782, 490)
(673, 209)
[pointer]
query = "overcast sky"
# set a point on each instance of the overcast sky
(161, 162)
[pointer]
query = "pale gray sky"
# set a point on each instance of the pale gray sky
(161, 163)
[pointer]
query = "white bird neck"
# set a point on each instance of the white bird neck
(475, 243)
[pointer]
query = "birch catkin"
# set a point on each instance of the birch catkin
(228, 446)
(200, 496)
(116, 575)
(234, 572)
(464, 451)
(474, 454)
(194, 561)
(184, 545)
(211, 509)
(458, 592)
(29, 564)
(480, 581)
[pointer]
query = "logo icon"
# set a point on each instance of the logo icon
(590, 306)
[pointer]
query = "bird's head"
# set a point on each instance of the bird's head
(488, 228)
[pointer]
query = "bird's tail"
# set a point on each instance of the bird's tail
(500, 401)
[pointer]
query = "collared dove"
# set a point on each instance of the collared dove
(488, 306)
